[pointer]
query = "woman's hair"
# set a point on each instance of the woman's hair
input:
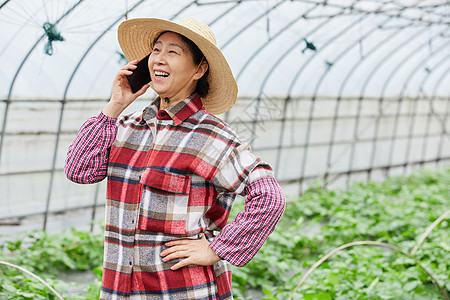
(197, 55)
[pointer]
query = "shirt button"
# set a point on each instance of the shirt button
(131, 263)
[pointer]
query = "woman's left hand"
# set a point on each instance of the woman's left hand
(194, 252)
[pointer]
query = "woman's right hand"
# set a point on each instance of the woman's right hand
(122, 96)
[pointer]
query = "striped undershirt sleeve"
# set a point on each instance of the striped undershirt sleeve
(87, 156)
(240, 240)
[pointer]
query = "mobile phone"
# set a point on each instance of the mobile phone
(140, 76)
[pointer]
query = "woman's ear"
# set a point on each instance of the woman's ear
(201, 70)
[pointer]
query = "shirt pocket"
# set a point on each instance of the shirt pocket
(164, 202)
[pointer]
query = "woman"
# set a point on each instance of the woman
(174, 170)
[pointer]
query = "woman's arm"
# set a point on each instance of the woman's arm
(240, 240)
(87, 157)
(238, 171)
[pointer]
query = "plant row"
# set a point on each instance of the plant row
(396, 211)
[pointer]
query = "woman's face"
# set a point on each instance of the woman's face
(171, 67)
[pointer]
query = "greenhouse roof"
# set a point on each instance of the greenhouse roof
(69, 50)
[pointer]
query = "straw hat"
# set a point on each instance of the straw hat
(136, 36)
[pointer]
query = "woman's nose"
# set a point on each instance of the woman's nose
(160, 58)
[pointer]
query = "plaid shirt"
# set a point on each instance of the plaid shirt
(174, 174)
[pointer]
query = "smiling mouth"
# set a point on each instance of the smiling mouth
(161, 74)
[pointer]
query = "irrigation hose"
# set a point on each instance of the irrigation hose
(316, 265)
(428, 231)
(34, 276)
(381, 244)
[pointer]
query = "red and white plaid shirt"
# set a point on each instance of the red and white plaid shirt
(174, 174)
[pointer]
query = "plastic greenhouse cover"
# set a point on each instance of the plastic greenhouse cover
(281, 47)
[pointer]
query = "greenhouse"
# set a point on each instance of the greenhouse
(348, 101)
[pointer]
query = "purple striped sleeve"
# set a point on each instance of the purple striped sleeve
(87, 157)
(240, 240)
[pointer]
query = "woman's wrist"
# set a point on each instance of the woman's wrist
(113, 109)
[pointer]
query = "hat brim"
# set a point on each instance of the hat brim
(137, 35)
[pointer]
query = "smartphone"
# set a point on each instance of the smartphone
(140, 76)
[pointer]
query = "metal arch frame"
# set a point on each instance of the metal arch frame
(306, 143)
(283, 120)
(314, 96)
(52, 170)
(75, 70)
(385, 85)
(447, 114)
(8, 99)
(28, 21)
(64, 101)
(224, 13)
(244, 28)
(65, 97)
(216, 20)
(359, 107)
(401, 97)
(303, 67)
(397, 115)
(277, 34)
(91, 47)
(344, 83)
(4, 3)
(287, 99)
(263, 83)
(419, 66)
(258, 51)
(258, 98)
(283, 55)
(407, 154)
(444, 128)
(101, 36)
(398, 15)
(181, 10)
(248, 25)
(428, 121)
(380, 99)
(377, 124)
(439, 81)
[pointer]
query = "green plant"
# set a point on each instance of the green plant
(47, 256)
(396, 211)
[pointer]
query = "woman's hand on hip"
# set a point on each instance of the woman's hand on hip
(122, 96)
(194, 252)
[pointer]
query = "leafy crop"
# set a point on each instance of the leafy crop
(396, 211)
(47, 256)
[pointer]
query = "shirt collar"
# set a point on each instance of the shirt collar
(178, 112)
